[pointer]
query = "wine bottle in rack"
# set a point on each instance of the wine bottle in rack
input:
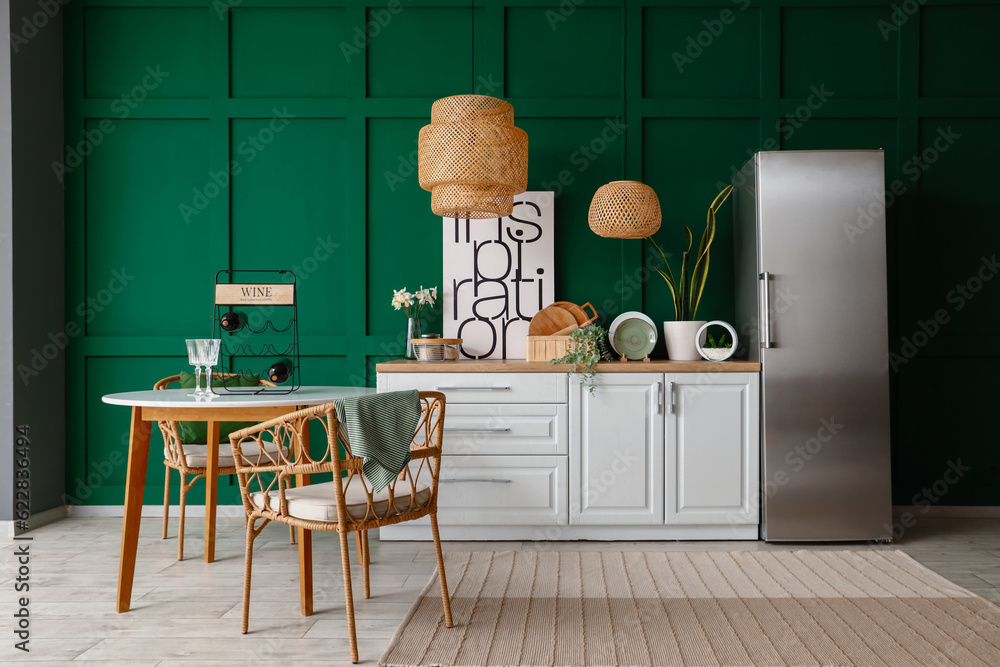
(280, 371)
(233, 321)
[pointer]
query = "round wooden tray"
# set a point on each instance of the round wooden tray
(579, 312)
(558, 316)
(549, 320)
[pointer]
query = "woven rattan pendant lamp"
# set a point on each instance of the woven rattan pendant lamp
(472, 158)
(624, 210)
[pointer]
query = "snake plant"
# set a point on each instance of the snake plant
(687, 293)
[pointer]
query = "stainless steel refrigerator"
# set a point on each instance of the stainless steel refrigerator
(811, 301)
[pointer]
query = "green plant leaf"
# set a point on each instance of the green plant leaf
(698, 279)
(668, 277)
(700, 274)
(673, 290)
(687, 291)
(682, 288)
(587, 346)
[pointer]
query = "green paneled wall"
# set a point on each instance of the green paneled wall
(261, 135)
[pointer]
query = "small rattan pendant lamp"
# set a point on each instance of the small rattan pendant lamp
(625, 210)
(472, 158)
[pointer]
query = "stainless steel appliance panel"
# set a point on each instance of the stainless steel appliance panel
(821, 297)
(745, 245)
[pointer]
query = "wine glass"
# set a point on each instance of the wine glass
(195, 359)
(208, 352)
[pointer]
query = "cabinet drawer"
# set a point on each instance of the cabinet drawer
(504, 428)
(483, 387)
(503, 490)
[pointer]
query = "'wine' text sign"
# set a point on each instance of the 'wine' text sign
(256, 294)
(497, 274)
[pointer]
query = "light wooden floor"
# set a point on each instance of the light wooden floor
(188, 613)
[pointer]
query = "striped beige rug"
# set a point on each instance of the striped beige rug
(751, 608)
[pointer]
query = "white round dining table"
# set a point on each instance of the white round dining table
(150, 406)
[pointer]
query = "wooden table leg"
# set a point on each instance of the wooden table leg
(305, 571)
(305, 542)
(211, 489)
(135, 484)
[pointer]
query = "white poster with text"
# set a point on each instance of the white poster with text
(497, 274)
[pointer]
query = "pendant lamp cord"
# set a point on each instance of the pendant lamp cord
(625, 124)
(625, 87)
(473, 21)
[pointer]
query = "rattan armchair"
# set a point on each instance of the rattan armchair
(187, 460)
(346, 504)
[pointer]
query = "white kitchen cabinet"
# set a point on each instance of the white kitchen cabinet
(502, 490)
(506, 429)
(616, 460)
(712, 459)
(653, 454)
(482, 387)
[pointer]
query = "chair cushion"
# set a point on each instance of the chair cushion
(195, 432)
(196, 456)
(318, 502)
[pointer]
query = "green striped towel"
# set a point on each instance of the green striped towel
(380, 428)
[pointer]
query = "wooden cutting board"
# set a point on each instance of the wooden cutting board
(579, 312)
(549, 320)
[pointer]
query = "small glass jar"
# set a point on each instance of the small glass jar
(431, 347)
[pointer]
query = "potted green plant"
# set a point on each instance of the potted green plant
(687, 287)
(586, 347)
(717, 350)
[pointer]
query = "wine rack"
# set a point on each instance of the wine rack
(256, 317)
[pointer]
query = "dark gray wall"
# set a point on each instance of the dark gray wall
(39, 377)
(6, 288)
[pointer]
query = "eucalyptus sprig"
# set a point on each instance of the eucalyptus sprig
(687, 293)
(586, 347)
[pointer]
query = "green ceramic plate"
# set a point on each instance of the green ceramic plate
(635, 338)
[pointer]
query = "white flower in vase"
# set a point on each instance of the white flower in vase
(426, 297)
(401, 299)
(413, 303)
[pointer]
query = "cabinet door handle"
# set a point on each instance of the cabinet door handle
(495, 387)
(670, 395)
(452, 480)
(659, 398)
(490, 429)
(766, 277)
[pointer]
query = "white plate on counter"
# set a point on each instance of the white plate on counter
(630, 315)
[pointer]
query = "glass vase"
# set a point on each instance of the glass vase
(412, 331)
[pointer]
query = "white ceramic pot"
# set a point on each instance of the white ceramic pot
(680, 339)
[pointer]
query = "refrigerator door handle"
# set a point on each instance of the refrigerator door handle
(766, 277)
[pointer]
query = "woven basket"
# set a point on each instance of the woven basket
(625, 210)
(471, 157)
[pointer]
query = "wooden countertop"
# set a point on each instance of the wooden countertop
(522, 366)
